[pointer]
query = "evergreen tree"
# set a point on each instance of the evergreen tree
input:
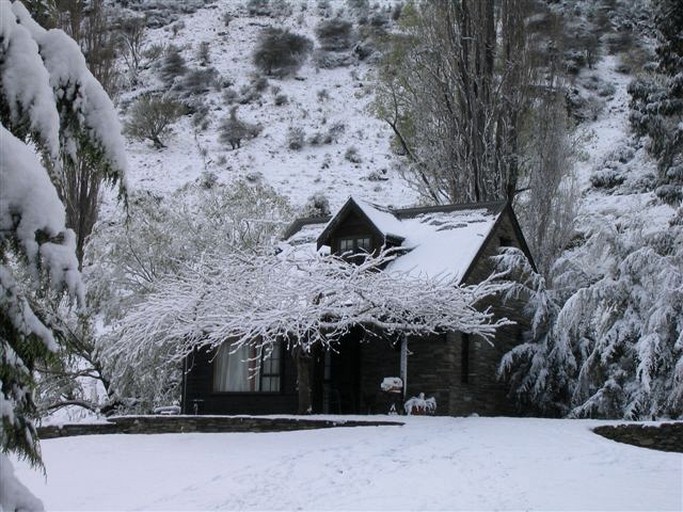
(49, 101)
(611, 344)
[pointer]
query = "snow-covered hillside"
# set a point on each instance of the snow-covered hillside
(607, 145)
(316, 100)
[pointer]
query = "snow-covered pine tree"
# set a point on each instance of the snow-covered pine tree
(614, 346)
(539, 370)
(47, 100)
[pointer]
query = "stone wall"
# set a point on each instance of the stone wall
(212, 424)
(667, 437)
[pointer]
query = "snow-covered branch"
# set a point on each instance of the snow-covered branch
(303, 299)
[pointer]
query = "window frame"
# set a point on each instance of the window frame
(355, 244)
(276, 373)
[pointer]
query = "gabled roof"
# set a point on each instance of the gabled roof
(441, 240)
(382, 220)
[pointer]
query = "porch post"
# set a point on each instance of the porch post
(404, 364)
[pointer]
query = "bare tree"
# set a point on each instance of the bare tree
(548, 203)
(83, 168)
(132, 36)
(454, 88)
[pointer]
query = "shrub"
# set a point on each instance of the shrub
(335, 131)
(153, 53)
(378, 175)
(671, 194)
(201, 119)
(396, 11)
(280, 52)
(259, 8)
(230, 96)
(317, 205)
(622, 154)
(150, 118)
(607, 178)
(259, 83)
(204, 53)
(207, 180)
(352, 155)
(331, 60)
(233, 130)
(316, 139)
(281, 99)
(323, 95)
(364, 50)
(324, 8)
(335, 34)
(295, 138)
(281, 8)
(199, 81)
(173, 65)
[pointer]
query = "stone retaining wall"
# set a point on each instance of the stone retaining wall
(667, 437)
(180, 424)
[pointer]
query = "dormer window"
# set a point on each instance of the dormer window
(355, 244)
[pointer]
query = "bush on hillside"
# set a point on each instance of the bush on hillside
(259, 8)
(317, 205)
(280, 52)
(331, 60)
(335, 34)
(233, 130)
(295, 138)
(173, 65)
(199, 81)
(150, 118)
(607, 178)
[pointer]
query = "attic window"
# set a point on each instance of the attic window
(355, 244)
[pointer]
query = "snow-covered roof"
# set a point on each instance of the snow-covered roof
(439, 241)
(444, 243)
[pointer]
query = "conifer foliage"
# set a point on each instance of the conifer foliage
(611, 345)
(48, 101)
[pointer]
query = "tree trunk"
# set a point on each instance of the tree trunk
(303, 372)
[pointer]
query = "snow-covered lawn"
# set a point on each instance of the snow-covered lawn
(429, 463)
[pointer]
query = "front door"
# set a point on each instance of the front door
(337, 378)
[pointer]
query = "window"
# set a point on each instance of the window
(247, 370)
(355, 244)
(270, 370)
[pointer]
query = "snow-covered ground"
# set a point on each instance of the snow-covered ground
(427, 464)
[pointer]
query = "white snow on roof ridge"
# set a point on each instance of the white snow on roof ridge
(444, 244)
(382, 218)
